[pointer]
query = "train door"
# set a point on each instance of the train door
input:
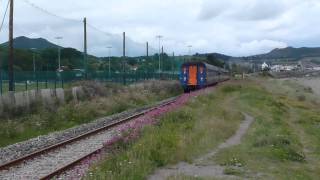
(201, 76)
(193, 78)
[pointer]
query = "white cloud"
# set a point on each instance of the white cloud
(259, 46)
(234, 27)
(242, 10)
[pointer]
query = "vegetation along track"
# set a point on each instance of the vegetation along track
(54, 160)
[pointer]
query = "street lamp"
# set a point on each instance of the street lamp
(159, 37)
(34, 59)
(59, 52)
(190, 46)
(34, 62)
(109, 48)
(189, 52)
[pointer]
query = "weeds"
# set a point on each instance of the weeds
(273, 140)
(180, 136)
(100, 101)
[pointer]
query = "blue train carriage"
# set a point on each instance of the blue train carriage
(198, 75)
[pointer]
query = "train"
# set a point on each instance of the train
(199, 75)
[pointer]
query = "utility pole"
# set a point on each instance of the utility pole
(109, 48)
(173, 58)
(11, 61)
(162, 58)
(147, 49)
(159, 37)
(124, 57)
(189, 52)
(59, 53)
(85, 47)
(34, 63)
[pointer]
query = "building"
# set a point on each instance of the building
(264, 66)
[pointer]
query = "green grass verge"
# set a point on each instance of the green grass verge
(44, 120)
(182, 135)
(283, 143)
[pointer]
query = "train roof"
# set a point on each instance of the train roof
(209, 66)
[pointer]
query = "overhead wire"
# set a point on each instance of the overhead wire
(89, 25)
(63, 18)
(4, 16)
(48, 12)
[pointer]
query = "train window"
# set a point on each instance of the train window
(201, 70)
(184, 70)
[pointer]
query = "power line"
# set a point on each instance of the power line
(63, 18)
(99, 30)
(48, 12)
(4, 16)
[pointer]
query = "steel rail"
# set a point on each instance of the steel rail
(20, 160)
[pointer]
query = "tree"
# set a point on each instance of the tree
(211, 59)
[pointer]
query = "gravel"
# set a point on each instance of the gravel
(53, 160)
(49, 162)
(21, 149)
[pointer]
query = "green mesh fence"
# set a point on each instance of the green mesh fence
(27, 80)
(147, 69)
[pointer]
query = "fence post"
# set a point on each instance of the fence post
(124, 79)
(26, 85)
(1, 83)
(46, 79)
(37, 84)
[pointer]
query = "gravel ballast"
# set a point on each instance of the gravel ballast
(22, 149)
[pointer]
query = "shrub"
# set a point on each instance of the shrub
(231, 88)
(301, 98)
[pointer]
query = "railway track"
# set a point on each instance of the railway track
(52, 161)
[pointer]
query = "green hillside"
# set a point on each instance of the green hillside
(23, 42)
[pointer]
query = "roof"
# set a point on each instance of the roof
(209, 66)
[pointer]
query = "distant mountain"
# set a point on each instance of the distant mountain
(289, 53)
(23, 42)
(219, 56)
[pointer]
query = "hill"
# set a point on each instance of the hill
(289, 53)
(23, 42)
(218, 56)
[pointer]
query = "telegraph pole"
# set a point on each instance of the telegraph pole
(190, 56)
(59, 52)
(173, 58)
(124, 57)
(85, 47)
(147, 49)
(162, 58)
(159, 37)
(11, 61)
(109, 48)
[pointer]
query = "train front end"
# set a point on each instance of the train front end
(193, 76)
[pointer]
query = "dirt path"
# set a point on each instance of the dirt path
(198, 168)
(314, 83)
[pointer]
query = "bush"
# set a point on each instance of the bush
(302, 98)
(231, 88)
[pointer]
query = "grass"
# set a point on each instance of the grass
(182, 135)
(283, 143)
(107, 100)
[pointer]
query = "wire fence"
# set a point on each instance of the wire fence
(27, 80)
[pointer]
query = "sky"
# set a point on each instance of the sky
(232, 27)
